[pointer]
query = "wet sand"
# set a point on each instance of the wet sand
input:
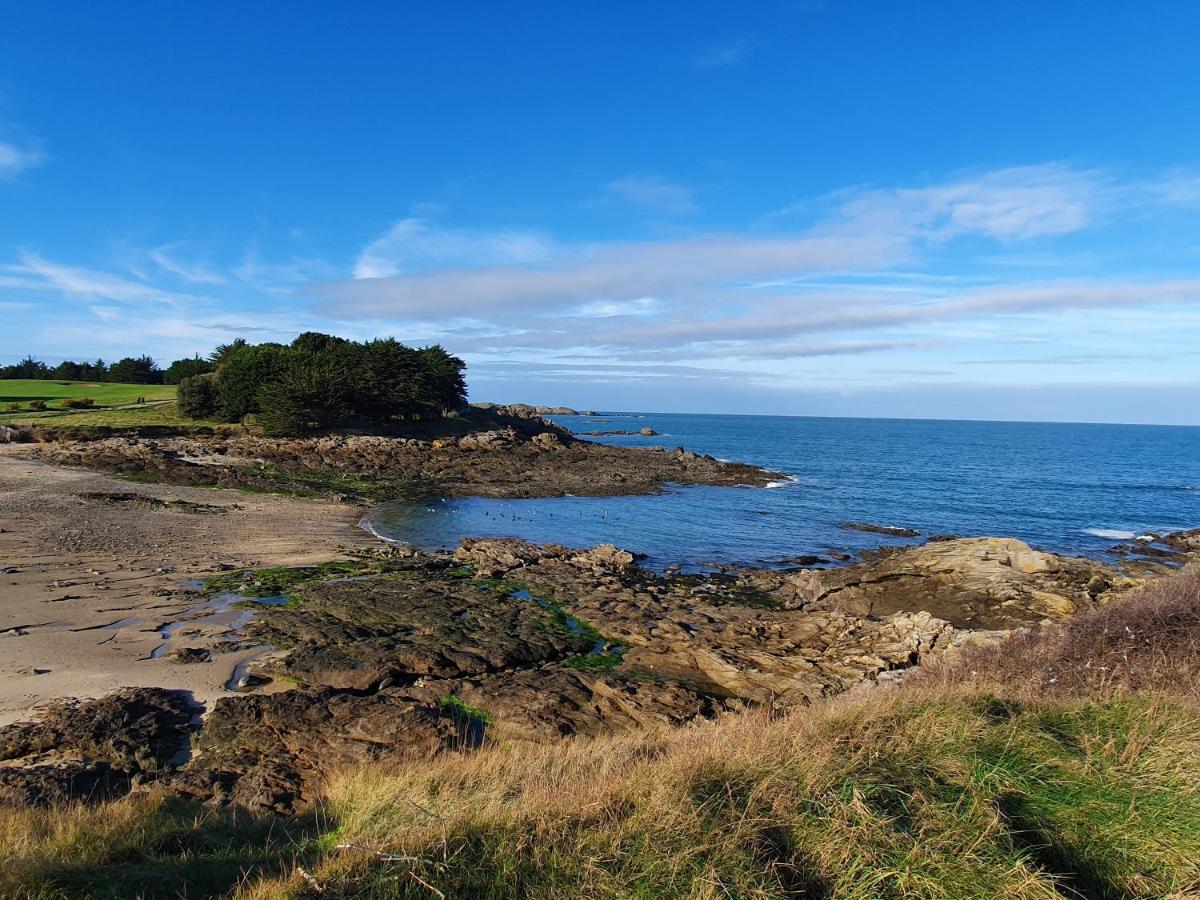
(88, 583)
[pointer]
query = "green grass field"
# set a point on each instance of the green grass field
(22, 391)
(153, 414)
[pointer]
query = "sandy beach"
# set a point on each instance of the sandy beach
(93, 567)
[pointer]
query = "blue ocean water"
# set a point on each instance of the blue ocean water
(1070, 488)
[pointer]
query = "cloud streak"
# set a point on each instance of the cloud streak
(15, 159)
(654, 194)
(36, 273)
(415, 244)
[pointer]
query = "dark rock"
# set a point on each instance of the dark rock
(56, 783)
(893, 530)
(270, 753)
(356, 634)
(190, 655)
(135, 729)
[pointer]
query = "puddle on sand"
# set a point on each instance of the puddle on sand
(219, 612)
(240, 680)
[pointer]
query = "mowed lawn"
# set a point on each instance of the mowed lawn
(22, 391)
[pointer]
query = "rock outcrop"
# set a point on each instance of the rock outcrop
(509, 461)
(94, 749)
(976, 583)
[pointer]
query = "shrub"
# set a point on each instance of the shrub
(12, 407)
(1146, 641)
(197, 396)
(79, 403)
(37, 404)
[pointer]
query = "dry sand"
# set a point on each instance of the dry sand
(87, 584)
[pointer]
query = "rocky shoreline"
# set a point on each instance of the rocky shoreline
(512, 457)
(394, 653)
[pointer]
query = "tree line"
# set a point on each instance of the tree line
(320, 381)
(317, 382)
(130, 370)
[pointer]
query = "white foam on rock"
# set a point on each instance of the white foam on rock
(1111, 533)
(791, 479)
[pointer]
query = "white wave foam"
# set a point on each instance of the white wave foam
(369, 527)
(791, 479)
(1111, 534)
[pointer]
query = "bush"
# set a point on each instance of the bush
(37, 404)
(79, 403)
(197, 396)
(1147, 641)
(12, 407)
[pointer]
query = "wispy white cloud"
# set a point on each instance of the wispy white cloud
(191, 272)
(724, 55)
(37, 273)
(607, 309)
(608, 273)
(857, 269)
(15, 159)
(282, 276)
(791, 315)
(1013, 204)
(417, 244)
(654, 194)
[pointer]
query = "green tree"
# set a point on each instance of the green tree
(97, 371)
(29, 367)
(186, 368)
(242, 372)
(311, 396)
(135, 370)
(219, 355)
(67, 371)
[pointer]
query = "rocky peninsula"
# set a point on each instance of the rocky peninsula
(490, 453)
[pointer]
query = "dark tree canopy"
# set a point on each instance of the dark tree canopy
(321, 381)
(139, 370)
(67, 370)
(29, 367)
(186, 368)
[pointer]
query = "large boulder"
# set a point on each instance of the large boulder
(977, 583)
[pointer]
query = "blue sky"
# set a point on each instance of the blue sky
(836, 208)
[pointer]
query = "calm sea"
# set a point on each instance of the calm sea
(1070, 488)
